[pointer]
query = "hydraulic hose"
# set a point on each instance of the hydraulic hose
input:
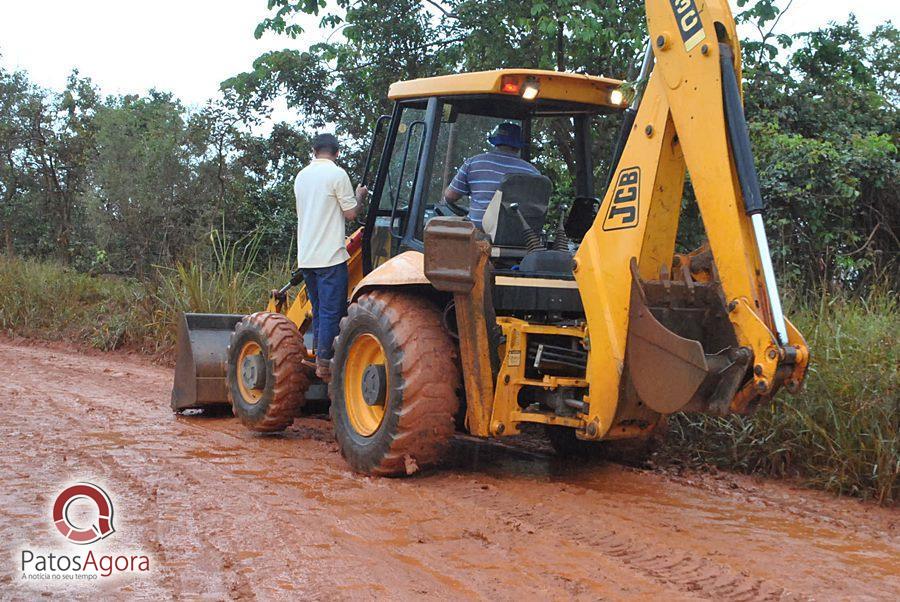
(746, 170)
(737, 133)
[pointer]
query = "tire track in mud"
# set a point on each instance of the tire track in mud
(689, 573)
(103, 464)
(239, 436)
(139, 495)
(205, 555)
(118, 465)
(112, 416)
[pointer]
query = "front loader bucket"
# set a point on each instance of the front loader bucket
(200, 357)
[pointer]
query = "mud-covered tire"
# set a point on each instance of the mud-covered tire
(286, 381)
(422, 379)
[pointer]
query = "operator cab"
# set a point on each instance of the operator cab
(437, 123)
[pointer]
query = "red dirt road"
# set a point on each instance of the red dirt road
(226, 514)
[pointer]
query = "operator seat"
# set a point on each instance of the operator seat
(531, 195)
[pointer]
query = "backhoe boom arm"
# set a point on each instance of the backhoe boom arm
(690, 119)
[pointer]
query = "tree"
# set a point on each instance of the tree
(145, 203)
(824, 123)
(60, 151)
(15, 90)
(344, 81)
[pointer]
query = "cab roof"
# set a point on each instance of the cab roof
(558, 92)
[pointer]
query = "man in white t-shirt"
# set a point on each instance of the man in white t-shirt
(325, 200)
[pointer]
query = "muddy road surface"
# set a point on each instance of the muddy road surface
(226, 514)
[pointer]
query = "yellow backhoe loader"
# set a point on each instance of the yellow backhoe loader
(590, 324)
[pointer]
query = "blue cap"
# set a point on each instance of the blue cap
(507, 134)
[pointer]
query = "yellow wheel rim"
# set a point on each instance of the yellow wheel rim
(365, 351)
(251, 396)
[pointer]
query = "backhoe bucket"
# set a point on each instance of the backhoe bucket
(201, 355)
(681, 352)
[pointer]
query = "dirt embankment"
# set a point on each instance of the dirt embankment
(228, 514)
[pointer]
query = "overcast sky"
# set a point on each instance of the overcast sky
(190, 46)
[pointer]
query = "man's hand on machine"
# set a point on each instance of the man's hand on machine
(358, 213)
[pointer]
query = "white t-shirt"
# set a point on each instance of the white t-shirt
(323, 192)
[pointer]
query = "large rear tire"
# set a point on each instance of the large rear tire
(266, 380)
(394, 382)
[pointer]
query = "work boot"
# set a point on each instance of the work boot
(323, 369)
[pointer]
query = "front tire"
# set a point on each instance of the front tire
(266, 380)
(394, 382)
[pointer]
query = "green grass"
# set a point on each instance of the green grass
(842, 432)
(48, 301)
(229, 284)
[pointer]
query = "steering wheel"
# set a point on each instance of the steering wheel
(448, 209)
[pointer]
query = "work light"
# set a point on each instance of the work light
(530, 89)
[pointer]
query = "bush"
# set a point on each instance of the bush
(842, 433)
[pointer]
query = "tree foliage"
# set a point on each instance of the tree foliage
(122, 183)
(119, 184)
(824, 123)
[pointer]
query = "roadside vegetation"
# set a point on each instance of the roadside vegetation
(47, 300)
(842, 433)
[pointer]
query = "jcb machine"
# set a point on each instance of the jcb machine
(589, 323)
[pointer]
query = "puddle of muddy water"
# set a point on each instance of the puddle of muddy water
(110, 437)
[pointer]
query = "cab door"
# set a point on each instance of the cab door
(393, 223)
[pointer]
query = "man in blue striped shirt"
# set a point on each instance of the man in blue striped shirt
(480, 176)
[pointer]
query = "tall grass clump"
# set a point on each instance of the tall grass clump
(48, 301)
(229, 283)
(842, 432)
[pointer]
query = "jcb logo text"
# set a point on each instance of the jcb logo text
(623, 209)
(688, 18)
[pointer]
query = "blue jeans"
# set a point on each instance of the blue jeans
(327, 290)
